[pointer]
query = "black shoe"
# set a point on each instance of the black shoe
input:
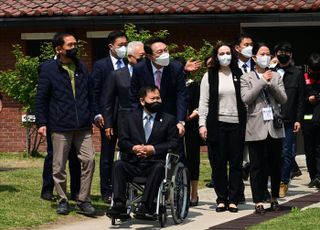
(232, 209)
(311, 184)
(221, 208)
(47, 196)
(63, 207)
(106, 198)
(210, 185)
(295, 174)
(140, 210)
(85, 208)
(194, 203)
(116, 210)
(259, 209)
(274, 206)
(317, 183)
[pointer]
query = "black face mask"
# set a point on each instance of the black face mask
(283, 58)
(153, 107)
(72, 53)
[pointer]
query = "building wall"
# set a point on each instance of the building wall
(13, 135)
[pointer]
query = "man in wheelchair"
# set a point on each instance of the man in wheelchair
(146, 137)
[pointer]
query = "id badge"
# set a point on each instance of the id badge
(267, 114)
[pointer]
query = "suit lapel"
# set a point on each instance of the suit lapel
(139, 125)
(156, 126)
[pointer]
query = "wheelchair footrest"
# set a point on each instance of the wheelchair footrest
(121, 216)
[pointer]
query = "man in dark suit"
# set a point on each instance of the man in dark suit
(118, 90)
(117, 42)
(168, 75)
(147, 136)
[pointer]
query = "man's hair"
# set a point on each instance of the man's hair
(240, 38)
(58, 38)
(285, 46)
(144, 90)
(132, 47)
(148, 43)
(114, 35)
(314, 61)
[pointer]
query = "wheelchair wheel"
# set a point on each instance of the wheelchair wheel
(180, 193)
(162, 216)
(162, 211)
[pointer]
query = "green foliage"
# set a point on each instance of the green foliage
(134, 35)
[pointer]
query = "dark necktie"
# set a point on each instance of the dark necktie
(158, 78)
(147, 127)
(119, 63)
(244, 66)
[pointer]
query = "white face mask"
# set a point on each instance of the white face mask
(263, 61)
(272, 65)
(163, 59)
(121, 51)
(224, 59)
(247, 52)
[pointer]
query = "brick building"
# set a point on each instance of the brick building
(29, 23)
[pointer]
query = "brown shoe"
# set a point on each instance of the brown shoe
(283, 189)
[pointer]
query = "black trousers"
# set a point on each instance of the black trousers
(124, 172)
(192, 141)
(265, 159)
(311, 138)
(74, 167)
(227, 149)
(106, 162)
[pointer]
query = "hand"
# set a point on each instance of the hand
(149, 150)
(313, 99)
(1, 106)
(181, 129)
(203, 132)
(109, 133)
(192, 116)
(267, 75)
(296, 127)
(191, 66)
(43, 131)
(99, 122)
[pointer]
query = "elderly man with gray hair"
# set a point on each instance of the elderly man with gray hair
(117, 103)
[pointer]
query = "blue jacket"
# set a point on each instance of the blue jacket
(55, 105)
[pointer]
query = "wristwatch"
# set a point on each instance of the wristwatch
(182, 123)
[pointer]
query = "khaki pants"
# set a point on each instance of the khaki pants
(62, 142)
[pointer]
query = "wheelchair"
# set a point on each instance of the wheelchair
(173, 193)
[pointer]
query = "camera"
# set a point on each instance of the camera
(277, 121)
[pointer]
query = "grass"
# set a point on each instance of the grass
(307, 219)
(20, 185)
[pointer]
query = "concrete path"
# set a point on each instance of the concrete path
(204, 215)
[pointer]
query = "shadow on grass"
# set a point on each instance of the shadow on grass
(8, 188)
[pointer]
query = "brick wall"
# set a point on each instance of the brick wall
(13, 135)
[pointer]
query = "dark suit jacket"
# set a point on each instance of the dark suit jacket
(173, 87)
(118, 90)
(100, 74)
(164, 135)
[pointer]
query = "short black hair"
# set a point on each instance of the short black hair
(285, 46)
(114, 35)
(148, 43)
(240, 38)
(58, 38)
(257, 46)
(145, 89)
(314, 61)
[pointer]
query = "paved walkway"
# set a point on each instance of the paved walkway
(204, 215)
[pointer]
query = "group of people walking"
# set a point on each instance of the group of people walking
(245, 110)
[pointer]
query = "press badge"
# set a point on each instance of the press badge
(267, 114)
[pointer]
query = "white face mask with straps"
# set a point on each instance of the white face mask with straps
(121, 51)
(163, 59)
(247, 52)
(263, 61)
(224, 60)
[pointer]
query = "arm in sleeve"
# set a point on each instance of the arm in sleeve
(301, 97)
(134, 90)
(97, 86)
(204, 100)
(182, 96)
(250, 93)
(110, 100)
(277, 89)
